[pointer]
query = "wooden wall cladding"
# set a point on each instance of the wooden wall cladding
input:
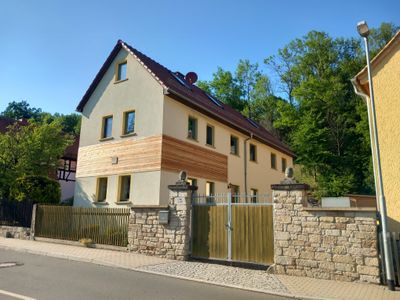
(151, 154)
(199, 162)
(133, 156)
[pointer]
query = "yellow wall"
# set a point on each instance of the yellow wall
(386, 79)
(260, 174)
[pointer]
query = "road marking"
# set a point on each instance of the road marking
(16, 295)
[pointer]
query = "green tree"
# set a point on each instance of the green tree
(21, 110)
(34, 149)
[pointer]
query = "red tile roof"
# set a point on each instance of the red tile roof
(192, 96)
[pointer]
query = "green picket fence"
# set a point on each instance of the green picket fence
(108, 226)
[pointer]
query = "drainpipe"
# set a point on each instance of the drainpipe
(245, 162)
(359, 92)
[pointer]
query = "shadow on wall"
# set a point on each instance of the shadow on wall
(82, 199)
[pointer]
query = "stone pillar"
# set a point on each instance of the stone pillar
(33, 222)
(148, 234)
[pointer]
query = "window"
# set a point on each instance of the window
(107, 127)
(214, 100)
(192, 181)
(210, 135)
(284, 164)
(101, 189)
(235, 198)
(234, 145)
(253, 195)
(180, 79)
(129, 122)
(273, 160)
(253, 152)
(124, 187)
(192, 128)
(252, 122)
(121, 71)
(210, 190)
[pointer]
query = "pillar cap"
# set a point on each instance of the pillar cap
(182, 185)
(290, 187)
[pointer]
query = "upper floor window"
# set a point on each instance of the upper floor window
(192, 128)
(210, 135)
(124, 187)
(273, 160)
(121, 71)
(107, 127)
(284, 164)
(253, 152)
(129, 122)
(101, 193)
(234, 145)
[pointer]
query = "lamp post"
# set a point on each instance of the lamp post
(363, 30)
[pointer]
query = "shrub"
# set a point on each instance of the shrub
(39, 189)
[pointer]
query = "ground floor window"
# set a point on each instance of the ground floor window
(210, 190)
(235, 191)
(101, 189)
(124, 187)
(253, 195)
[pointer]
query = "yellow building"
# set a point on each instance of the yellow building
(142, 124)
(386, 80)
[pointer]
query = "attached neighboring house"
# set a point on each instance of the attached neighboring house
(142, 124)
(386, 80)
(67, 167)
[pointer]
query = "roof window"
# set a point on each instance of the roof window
(214, 100)
(180, 80)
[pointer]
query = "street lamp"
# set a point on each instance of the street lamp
(363, 30)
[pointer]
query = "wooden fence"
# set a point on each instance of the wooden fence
(15, 213)
(107, 226)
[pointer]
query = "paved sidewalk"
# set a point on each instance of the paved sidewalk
(256, 280)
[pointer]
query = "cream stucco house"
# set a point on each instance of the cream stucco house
(142, 124)
(386, 80)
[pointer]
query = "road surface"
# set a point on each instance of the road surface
(42, 277)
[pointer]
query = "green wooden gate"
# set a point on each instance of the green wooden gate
(240, 231)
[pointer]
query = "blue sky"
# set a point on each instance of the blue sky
(50, 51)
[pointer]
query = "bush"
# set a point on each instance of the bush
(39, 189)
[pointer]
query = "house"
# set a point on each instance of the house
(66, 171)
(386, 80)
(142, 124)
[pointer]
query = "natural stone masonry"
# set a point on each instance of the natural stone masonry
(21, 233)
(323, 243)
(146, 235)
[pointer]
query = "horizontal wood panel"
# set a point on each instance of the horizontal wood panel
(133, 156)
(179, 155)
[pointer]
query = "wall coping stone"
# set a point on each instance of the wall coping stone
(149, 207)
(360, 209)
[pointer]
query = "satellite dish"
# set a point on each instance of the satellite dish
(191, 77)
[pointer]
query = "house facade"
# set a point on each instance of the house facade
(386, 80)
(142, 124)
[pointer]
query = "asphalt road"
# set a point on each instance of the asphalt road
(42, 277)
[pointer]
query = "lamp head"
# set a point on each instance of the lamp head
(362, 28)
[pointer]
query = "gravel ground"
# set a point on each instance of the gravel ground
(242, 277)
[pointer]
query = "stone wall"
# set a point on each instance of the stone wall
(21, 233)
(146, 235)
(338, 244)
